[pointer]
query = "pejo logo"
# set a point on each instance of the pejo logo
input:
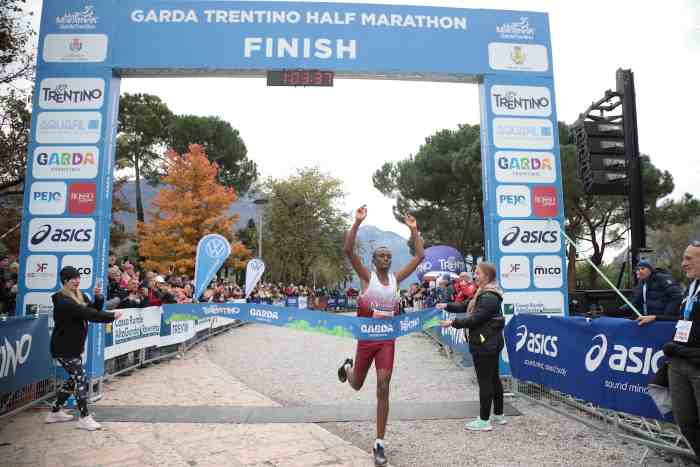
(513, 201)
(536, 343)
(14, 354)
(61, 234)
(629, 360)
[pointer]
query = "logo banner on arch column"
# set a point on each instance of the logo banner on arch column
(212, 251)
(606, 361)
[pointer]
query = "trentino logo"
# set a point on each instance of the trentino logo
(83, 19)
(71, 93)
(221, 310)
(13, 354)
(517, 29)
(529, 101)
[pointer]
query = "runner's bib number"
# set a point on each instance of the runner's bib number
(683, 328)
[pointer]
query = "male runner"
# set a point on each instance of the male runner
(379, 299)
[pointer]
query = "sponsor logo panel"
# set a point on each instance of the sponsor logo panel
(82, 198)
(84, 19)
(550, 303)
(624, 359)
(523, 133)
(538, 343)
(529, 101)
(41, 271)
(47, 198)
(518, 57)
(548, 272)
(529, 236)
(515, 272)
(71, 93)
(520, 30)
(525, 167)
(513, 201)
(75, 48)
(65, 162)
(84, 265)
(544, 201)
(68, 127)
(61, 234)
(38, 302)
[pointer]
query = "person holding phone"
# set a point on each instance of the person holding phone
(72, 310)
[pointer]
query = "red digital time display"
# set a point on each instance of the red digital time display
(300, 78)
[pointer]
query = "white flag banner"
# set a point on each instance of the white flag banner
(253, 272)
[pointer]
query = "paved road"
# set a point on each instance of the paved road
(296, 368)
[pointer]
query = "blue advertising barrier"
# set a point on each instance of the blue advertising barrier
(308, 320)
(606, 361)
(24, 352)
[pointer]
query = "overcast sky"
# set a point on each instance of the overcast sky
(351, 129)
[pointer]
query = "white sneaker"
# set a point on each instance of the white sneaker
(88, 423)
(499, 419)
(57, 417)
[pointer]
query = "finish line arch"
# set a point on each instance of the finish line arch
(86, 47)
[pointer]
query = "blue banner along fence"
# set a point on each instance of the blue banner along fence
(606, 361)
(24, 352)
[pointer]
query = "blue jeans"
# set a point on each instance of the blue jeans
(684, 385)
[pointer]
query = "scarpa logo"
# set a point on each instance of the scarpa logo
(409, 324)
(517, 29)
(629, 360)
(215, 248)
(377, 328)
(12, 355)
(83, 19)
(221, 310)
(266, 314)
(536, 342)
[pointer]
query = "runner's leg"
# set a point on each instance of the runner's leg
(363, 360)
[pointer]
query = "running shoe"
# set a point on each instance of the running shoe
(58, 417)
(379, 457)
(478, 425)
(499, 419)
(342, 374)
(88, 423)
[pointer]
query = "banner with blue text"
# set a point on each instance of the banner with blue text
(24, 352)
(606, 361)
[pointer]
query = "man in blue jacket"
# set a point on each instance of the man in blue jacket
(656, 294)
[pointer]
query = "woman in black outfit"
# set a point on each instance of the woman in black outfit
(72, 310)
(483, 326)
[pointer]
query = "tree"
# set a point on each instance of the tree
(221, 142)
(15, 120)
(143, 123)
(249, 236)
(192, 204)
(304, 228)
(117, 230)
(16, 34)
(441, 187)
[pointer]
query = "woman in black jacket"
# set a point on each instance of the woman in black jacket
(72, 310)
(483, 326)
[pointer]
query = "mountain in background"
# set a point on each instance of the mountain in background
(368, 237)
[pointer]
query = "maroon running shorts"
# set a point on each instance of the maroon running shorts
(382, 352)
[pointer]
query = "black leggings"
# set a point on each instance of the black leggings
(75, 384)
(490, 387)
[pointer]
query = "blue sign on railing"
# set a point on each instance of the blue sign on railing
(24, 352)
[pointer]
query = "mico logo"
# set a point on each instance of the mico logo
(13, 355)
(536, 342)
(629, 360)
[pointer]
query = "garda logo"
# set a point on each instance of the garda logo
(84, 265)
(47, 198)
(84, 19)
(542, 344)
(529, 101)
(76, 48)
(514, 272)
(41, 271)
(65, 162)
(525, 167)
(513, 201)
(548, 272)
(377, 328)
(518, 57)
(544, 201)
(14, 354)
(68, 127)
(523, 133)
(629, 360)
(264, 314)
(61, 234)
(529, 236)
(517, 30)
(221, 310)
(71, 93)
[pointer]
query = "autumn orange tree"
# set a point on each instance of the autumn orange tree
(192, 204)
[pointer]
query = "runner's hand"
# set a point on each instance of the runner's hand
(445, 323)
(642, 320)
(361, 213)
(410, 221)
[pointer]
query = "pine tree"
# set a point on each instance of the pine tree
(191, 205)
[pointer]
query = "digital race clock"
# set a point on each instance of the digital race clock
(300, 78)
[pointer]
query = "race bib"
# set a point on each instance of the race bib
(682, 331)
